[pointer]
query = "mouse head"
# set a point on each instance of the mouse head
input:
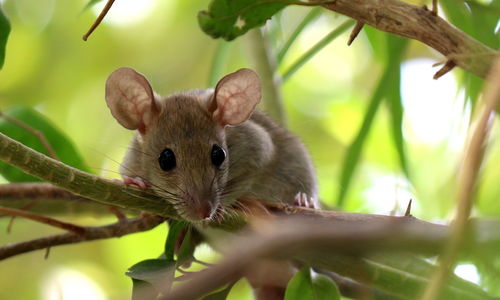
(181, 138)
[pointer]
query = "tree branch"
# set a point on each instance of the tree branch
(307, 240)
(45, 198)
(419, 23)
(91, 233)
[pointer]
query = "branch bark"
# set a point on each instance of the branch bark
(419, 23)
(307, 240)
(91, 233)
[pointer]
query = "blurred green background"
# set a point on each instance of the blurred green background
(49, 67)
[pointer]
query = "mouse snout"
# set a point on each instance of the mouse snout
(199, 207)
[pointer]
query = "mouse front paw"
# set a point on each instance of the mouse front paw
(137, 181)
(302, 200)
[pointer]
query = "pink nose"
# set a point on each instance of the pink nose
(202, 210)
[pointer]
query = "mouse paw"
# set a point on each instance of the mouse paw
(302, 200)
(137, 181)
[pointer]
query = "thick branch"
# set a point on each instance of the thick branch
(309, 239)
(91, 233)
(419, 23)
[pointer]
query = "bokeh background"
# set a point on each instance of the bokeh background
(49, 67)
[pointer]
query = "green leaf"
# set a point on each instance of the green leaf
(229, 19)
(61, 144)
(174, 231)
(397, 46)
(387, 87)
(324, 288)
(220, 295)
(4, 35)
(186, 250)
(143, 290)
(157, 272)
(303, 287)
(300, 286)
(316, 48)
(354, 150)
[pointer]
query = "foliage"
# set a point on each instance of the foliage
(368, 127)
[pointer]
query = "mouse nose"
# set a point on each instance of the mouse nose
(201, 210)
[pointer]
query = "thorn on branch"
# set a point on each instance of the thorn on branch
(434, 10)
(408, 209)
(99, 19)
(355, 31)
(448, 66)
(47, 253)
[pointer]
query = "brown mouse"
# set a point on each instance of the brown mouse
(204, 150)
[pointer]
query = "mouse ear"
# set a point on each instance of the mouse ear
(130, 99)
(235, 97)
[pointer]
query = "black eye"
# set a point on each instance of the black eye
(218, 155)
(167, 160)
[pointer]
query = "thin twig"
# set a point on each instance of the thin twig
(118, 229)
(43, 219)
(37, 133)
(467, 183)
(99, 19)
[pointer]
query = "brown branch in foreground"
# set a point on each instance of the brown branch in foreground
(307, 240)
(37, 133)
(43, 219)
(467, 183)
(99, 19)
(418, 23)
(355, 31)
(118, 229)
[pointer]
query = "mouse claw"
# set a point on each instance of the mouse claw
(137, 181)
(302, 200)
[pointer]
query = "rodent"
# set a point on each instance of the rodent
(204, 150)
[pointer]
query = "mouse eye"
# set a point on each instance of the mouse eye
(218, 155)
(167, 160)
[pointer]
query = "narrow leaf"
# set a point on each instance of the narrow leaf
(174, 231)
(311, 16)
(218, 63)
(4, 35)
(352, 158)
(316, 48)
(397, 46)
